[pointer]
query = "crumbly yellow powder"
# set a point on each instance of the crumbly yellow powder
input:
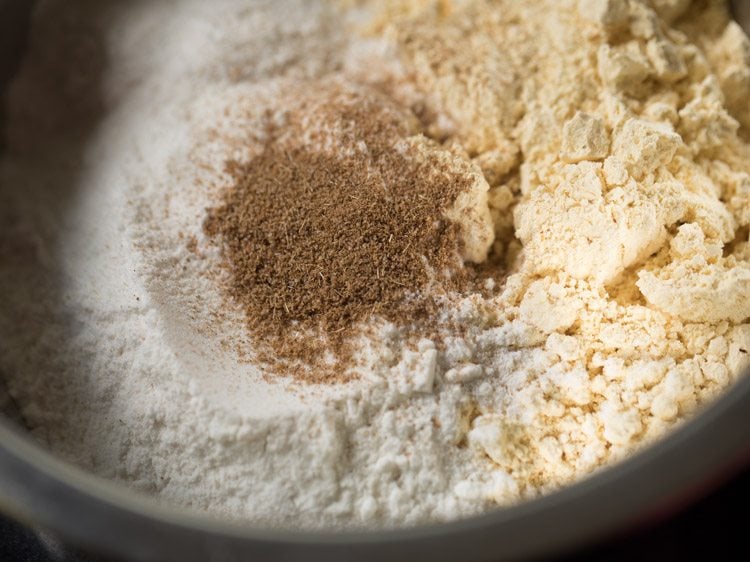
(612, 134)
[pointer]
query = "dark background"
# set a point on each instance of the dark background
(716, 527)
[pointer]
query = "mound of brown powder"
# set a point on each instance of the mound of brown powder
(338, 219)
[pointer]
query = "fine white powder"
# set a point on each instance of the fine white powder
(619, 187)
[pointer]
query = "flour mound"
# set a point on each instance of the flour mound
(603, 208)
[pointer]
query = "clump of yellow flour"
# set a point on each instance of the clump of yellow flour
(612, 134)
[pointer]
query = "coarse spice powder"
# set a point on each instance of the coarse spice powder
(318, 241)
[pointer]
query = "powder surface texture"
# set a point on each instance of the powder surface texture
(339, 219)
(567, 186)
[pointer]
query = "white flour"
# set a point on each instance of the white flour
(620, 190)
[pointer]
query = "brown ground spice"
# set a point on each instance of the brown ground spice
(338, 219)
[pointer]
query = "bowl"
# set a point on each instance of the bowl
(79, 509)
